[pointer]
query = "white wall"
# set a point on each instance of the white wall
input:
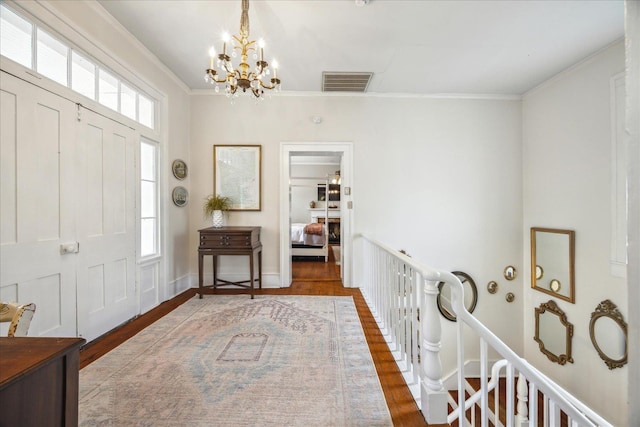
(632, 40)
(96, 32)
(440, 178)
(567, 167)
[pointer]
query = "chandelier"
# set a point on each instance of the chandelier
(242, 77)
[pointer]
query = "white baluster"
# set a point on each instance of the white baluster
(521, 406)
(433, 394)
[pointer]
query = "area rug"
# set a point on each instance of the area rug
(227, 360)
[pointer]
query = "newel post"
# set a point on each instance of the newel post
(432, 393)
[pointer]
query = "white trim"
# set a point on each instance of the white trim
(346, 214)
(478, 96)
(617, 262)
(562, 74)
(178, 286)
(43, 14)
(98, 9)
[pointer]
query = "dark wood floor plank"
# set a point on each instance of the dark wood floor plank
(310, 278)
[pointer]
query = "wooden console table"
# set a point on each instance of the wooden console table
(39, 381)
(217, 241)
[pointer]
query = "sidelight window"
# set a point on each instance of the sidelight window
(148, 199)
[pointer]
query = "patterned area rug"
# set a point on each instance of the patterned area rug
(227, 360)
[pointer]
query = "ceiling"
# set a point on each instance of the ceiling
(415, 47)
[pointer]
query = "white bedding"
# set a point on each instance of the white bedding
(298, 236)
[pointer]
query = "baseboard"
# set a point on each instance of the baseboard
(178, 286)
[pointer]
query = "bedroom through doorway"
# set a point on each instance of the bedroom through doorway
(315, 216)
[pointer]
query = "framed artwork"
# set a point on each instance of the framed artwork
(180, 196)
(237, 173)
(179, 169)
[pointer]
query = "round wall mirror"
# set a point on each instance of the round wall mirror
(445, 295)
(608, 332)
(510, 272)
(539, 272)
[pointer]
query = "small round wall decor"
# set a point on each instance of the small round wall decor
(180, 196)
(179, 169)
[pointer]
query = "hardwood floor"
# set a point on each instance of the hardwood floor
(309, 278)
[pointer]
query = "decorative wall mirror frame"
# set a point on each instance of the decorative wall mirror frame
(553, 262)
(510, 272)
(553, 333)
(608, 332)
(444, 296)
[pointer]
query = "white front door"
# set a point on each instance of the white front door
(37, 210)
(106, 224)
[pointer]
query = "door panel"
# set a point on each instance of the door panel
(106, 225)
(37, 210)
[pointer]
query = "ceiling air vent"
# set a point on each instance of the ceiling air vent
(345, 82)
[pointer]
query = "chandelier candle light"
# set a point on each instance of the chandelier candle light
(242, 77)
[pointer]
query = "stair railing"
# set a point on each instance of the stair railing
(401, 294)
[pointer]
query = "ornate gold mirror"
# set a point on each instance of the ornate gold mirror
(608, 332)
(553, 333)
(445, 294)
(552, 262)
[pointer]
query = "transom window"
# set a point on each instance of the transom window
(37, 49)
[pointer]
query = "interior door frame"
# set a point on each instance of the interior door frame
(346, 211)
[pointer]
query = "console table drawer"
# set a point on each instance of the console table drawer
(211, 241)
(229, 237)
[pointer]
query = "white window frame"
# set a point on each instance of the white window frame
(35, 27)
(158, 184)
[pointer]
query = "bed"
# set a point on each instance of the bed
(309, 240)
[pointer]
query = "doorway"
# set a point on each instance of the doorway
(310, 173)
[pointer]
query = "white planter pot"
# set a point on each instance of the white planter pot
(218, 219)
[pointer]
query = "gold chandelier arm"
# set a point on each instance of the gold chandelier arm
(213, 76)
(273, 85)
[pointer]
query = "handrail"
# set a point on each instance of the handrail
(543, 383)
(427, 272)
(431, 369)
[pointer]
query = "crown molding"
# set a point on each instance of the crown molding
(73, 33)
(312, 94)
(97, 7)
(562, 74)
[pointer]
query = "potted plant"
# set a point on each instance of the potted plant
(214, 206)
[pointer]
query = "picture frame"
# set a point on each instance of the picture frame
(179, 169)
(237, 174)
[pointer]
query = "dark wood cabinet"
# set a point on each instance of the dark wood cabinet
(39, 381)
(216, 241)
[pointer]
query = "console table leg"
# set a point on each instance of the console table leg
(260, 268)
(200, 289)
(214, 261)
(251, 277)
